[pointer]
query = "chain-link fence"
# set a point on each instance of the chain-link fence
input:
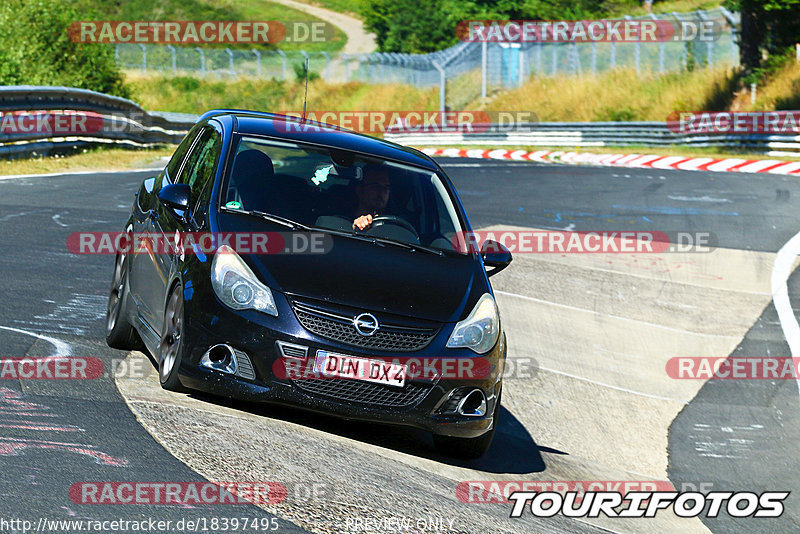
(463, 72)
(225, 62)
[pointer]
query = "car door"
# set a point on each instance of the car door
(197, 172)
(143, 271)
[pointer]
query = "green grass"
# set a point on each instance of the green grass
(618, 95)
(261, 10)
(350, 7)
(192, 95)
(87, 159)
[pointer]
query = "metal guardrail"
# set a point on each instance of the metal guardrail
(602, 134)
(113, 120)
(123, 122)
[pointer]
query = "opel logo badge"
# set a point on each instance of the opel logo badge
(366, 324)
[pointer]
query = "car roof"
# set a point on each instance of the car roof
(317, 133)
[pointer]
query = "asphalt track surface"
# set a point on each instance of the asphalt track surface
(597, 406)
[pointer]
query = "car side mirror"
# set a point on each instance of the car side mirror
(175, 196)
(495, 255)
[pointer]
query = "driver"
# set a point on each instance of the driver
(373, 196)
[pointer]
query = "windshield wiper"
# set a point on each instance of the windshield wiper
(409, 246)
(294, 225)
(277, 219)
(352, 235)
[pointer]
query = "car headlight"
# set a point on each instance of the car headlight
(480, 330)
(236, 285)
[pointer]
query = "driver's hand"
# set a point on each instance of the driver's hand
(362, 222)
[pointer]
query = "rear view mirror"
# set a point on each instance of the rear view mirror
(495, 255)
(175, 196)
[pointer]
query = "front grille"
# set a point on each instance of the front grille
(365, 392)
(340, 328)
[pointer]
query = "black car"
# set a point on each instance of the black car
(389, 287)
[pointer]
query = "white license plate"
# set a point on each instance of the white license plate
(334, 365)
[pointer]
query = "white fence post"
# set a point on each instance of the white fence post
(442, 90)
(258, 62)
(144, 56)
(327, 66)
(735, 36)
(174, 58)
(636, 48)
(613, 59)
(230, 61)
(484, 62)
(202, 61)
(283, 58)
(709, 44)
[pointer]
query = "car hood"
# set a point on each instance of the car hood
(374, 277)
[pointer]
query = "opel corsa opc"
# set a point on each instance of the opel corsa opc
(387, 320)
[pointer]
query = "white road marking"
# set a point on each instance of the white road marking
(781, 270)
(603, 384)
(62, 349)
(704, 198)
(71, 173)
(57, 219)
(4, 218)
(72, 317)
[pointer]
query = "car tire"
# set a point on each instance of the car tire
(172, 344)
(468, 448)
(119, 333)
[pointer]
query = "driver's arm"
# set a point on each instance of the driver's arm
(362, 222)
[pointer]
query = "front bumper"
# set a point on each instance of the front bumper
(256, 334)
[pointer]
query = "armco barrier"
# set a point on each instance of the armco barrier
(125, 123)
(115, 121)
(602, 134)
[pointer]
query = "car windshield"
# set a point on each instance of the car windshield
(330, 189)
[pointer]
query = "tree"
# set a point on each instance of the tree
(768, 27)
(412, 26)
(35, 49)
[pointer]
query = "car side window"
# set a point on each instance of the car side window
(201, 164)
(174, 164)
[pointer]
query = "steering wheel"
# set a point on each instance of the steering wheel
(392, 219)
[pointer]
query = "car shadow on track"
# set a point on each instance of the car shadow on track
(513, 449)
